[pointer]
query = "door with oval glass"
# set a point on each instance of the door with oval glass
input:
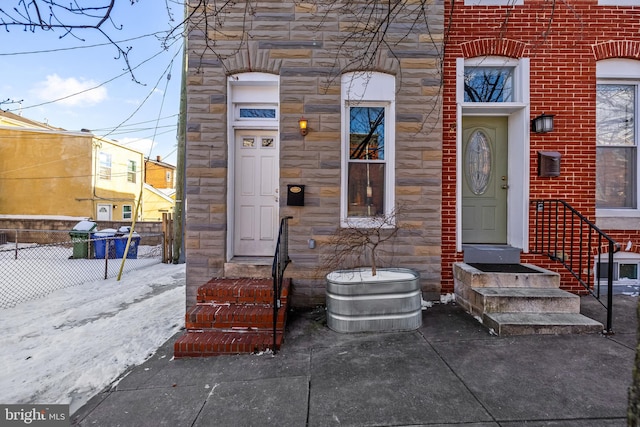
(256, 192)
(485, 181)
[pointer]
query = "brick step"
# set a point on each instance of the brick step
(241, 291)
(210, 316)
(507, 324)
(526, 300)
(217, 343)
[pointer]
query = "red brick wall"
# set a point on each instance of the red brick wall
(563, 44)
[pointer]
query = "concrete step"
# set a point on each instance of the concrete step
(525, 300)
(508, 324)
(254, 267)
(531, 276)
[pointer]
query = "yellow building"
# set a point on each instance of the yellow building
(156, 201)
(50, 171)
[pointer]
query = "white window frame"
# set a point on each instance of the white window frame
(127, 214)
(369, 89)
(622, 71)
(132, 172)
(107, 165)
(520, 79)
(493, 2)
(618, 258)
(618, 2)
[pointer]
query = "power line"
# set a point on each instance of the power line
(127, 72)
(34, 52)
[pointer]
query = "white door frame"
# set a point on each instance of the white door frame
(517, 171)
(253, 89)
(518, 151)
(109, 209)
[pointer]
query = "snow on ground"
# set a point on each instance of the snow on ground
(67, 346)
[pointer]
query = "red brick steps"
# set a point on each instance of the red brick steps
(232, 316)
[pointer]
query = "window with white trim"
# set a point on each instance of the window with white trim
(617, 106)
(492, 81)
(105, 165)
(127, 212)
(626, 266)
(368, 176)
(131, 171)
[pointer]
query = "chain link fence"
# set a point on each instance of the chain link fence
(34, 263)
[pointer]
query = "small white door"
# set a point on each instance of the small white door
(104, 213)
(256, 192)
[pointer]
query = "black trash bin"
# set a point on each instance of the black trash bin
(81, 239)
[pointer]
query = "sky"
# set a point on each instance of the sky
(81, 339)
(40, 70)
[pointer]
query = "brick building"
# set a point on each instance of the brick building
(509, 62)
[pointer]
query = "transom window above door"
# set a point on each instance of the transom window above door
(488, 84)
(493, 82)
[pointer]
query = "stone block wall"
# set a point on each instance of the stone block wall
(300, 42)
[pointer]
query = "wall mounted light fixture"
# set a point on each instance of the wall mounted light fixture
(542, 124)
(302, 123)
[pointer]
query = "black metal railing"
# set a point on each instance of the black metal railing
(566, 236)
(280, 262)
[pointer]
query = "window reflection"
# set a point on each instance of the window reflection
(488, 84)
(366, 173)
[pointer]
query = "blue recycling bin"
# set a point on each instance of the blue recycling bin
(121, 245)
(104, 242)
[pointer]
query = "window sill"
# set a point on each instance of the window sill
(618, 219)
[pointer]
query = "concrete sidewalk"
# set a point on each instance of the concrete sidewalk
(449, 372)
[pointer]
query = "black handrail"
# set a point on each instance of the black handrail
(568, 237)
(280, 262)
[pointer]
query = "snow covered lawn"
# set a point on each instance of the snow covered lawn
(67, 346)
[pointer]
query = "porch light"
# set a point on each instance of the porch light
(542, 124)
(303, 126)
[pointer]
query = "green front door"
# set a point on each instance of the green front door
(485, 182)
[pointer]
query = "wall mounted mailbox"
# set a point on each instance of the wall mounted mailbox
(548, 163)
(295, 195)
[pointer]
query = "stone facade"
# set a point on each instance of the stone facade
(303, 44)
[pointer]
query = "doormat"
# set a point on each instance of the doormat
(503, 268)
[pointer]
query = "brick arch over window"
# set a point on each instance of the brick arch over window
(493, 47)
(617, 49)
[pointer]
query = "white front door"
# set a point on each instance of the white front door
(256, 195)
(104, 213)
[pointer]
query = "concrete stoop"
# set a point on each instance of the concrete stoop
(528, 301)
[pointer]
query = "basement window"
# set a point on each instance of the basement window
(625, 269)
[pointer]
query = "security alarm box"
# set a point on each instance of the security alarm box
(548, 163)
(295, 195)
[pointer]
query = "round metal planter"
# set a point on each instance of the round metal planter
(390, 301)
